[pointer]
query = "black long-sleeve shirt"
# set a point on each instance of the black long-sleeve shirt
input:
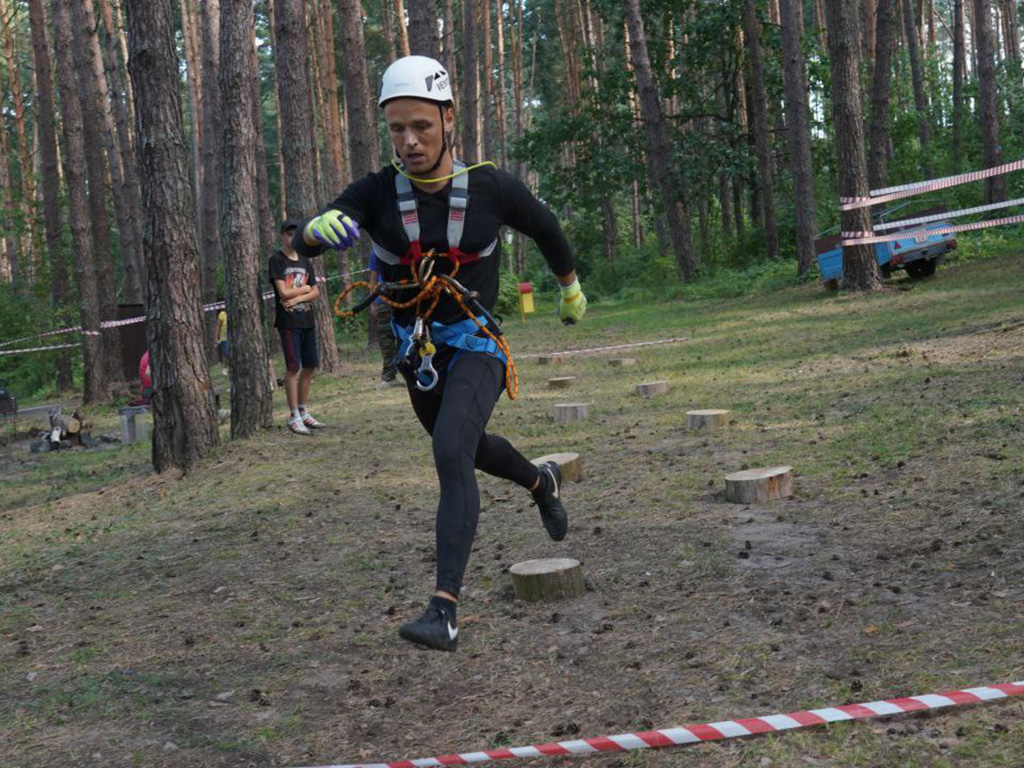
(496, 198)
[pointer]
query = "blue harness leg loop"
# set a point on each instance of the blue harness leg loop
(460, 336)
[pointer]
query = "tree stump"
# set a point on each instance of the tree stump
(619, 362)
(569, 463)
(566, 412)
(652, 388)
(709, 419)
(550, 360)
(555, 578)
(561, 382)
(752, 486)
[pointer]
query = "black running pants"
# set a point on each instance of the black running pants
(455, 413)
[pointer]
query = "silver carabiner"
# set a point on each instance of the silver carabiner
(427, 350)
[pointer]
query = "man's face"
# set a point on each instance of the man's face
(286, 239)
(417, 132)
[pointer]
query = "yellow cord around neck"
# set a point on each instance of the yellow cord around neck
(467, 169)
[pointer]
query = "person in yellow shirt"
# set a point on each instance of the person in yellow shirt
(222, 340)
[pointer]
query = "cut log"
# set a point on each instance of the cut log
(561, 382)
(652, 388)
(619, 362)
(753, 486)
(550, 360)
(550, 579)
(569, 463)
(566, 412)
(708, 419)
(73, 427)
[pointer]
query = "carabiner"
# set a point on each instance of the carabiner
(427, 352)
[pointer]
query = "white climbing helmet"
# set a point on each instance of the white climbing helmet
(420, 77)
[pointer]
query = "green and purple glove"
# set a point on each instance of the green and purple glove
(333, 229)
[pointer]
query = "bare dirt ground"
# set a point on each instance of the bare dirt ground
(247, 615)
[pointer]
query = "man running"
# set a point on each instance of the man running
(429, 202)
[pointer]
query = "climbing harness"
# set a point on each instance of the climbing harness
(422, 338)
(458, 202)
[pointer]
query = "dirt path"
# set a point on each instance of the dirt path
(247, 615)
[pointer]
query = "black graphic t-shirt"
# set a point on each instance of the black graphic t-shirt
(496, 199)
(295, 273)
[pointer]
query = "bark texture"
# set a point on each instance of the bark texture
(423, 37)
(251, 403)
(294, 94)
(878, 165)
(762, 129)
(184, 418)
(96, 175)
(45, 118)
(78, 207)
(659, 153)
(860, 270)
(912, 36)
(798, 132)
(992, 151)
(470, 83)
(211, 128)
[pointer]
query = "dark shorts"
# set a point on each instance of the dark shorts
(223, 347)
(299, 345)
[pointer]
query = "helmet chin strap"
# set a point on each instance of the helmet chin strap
(444, 143)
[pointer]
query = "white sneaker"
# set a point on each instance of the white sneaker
(296, 426)
(312, 423)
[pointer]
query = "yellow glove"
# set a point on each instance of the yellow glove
(333, 229)
(572, 304)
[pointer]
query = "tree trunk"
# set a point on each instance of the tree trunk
(251, 403)
(762, 129)
(995, 187)
(78, 206)
(449, 55)
(96, 174)
(268, 230)
(133, 261)
(291, 62)
(190, 34)
(184, 418)
(659, 153)
(470, 101)
(46, 124)
(501, 90)
(487, 68)
(878, 166)
(799, 133)
(403, 32)
(423, 39)
(27, 202)
(868, 12)
(959, 66)
(917, 74)
(211, 128)
(860, 270)
(122, 177)
(1011, 34)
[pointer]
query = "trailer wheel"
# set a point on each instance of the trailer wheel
(921, 268)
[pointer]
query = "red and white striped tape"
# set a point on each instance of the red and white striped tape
(633, 345)
(867, 238)
(131, 321)
(720, 731)
(909, 190)
(953, 215)
(39, 349)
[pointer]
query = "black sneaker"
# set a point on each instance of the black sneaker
(552, 513)
(437, 628)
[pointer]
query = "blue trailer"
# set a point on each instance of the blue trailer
(918, 255)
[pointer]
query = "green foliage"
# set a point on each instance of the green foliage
(508, 294)
(31, 375)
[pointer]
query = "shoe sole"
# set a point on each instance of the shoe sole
(450, 645)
